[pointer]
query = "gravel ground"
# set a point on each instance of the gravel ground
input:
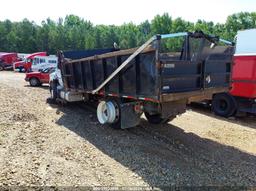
(48, 145)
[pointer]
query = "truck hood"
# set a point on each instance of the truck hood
(32, 73)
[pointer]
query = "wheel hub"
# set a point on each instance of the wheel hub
(223, 105)
(33, 81)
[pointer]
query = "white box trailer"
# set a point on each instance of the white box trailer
(43, 62)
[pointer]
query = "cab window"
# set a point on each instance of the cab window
(52, 61)
(35, 61)
(28, 60)
(45, 70)
(42, 60)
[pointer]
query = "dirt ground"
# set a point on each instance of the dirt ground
(42, 144)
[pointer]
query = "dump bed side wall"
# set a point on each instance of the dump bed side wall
(146, 77)
(137, 79)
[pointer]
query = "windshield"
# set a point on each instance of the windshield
(27, 60)
(35, 61)
(48, 70)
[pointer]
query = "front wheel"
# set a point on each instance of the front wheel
(53, 90)
(21, 69)
(1, 67)
(224, 105)
(34, 82)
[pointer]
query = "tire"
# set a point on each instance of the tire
(53, 91)
(224, 105)
(157, 119)
(1, 67)
(34, 82)
(108, 112)
(21, 69)
(117, 124)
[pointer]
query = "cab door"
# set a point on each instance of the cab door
(35, 64)
(45, 76)
(42, 63)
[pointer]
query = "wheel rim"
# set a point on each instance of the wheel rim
(107, 112)
(52, 94)
(33, 82)
(223, 105)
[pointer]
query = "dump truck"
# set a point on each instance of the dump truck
(152, 79)
(241, 99)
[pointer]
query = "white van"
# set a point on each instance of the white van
(43, 62)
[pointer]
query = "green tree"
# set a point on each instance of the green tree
(74, 33)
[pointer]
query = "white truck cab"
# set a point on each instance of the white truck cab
(43, 62)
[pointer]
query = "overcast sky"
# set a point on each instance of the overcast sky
(123, 11)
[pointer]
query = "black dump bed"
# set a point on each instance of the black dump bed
(199, 66)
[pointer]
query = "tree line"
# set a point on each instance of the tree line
(74, 33)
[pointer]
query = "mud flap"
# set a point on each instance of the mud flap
(129, 117)
(173, 108)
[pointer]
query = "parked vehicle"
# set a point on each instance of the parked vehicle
(25, 65)
(242, 96)
(7, 60)
(39, 78)
(148, 79)
(43, 62)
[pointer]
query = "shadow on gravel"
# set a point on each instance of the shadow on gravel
(42, 86)
(164, 155)
(248, 121)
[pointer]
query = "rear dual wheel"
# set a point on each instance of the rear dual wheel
(224, 105)
(108, 112)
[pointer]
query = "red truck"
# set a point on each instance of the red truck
(26, 64)
(7, 60)
(241, 98)
(39, 78)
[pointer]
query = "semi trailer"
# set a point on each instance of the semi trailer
(151, 79)
(241, 99)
